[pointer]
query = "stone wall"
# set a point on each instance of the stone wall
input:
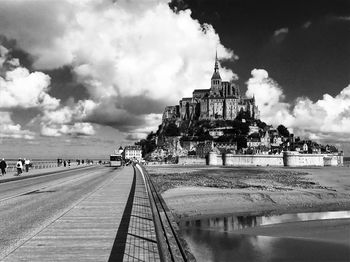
(290, 158)
(188, 160)
(215, 159)
(253, 160)
(334, 160)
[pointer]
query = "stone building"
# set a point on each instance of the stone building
(222, 101)
(133, 153)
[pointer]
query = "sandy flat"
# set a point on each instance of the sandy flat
(330, 191)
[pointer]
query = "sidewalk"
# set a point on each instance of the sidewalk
(113, 223)
(10, 176)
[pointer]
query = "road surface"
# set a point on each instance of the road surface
(27, 206)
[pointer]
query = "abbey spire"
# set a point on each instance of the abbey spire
(216, 67)
(216, 74)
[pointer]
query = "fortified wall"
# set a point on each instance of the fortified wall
(192, 160)
(289, 158)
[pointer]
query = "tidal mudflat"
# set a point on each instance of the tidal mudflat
(197, 195)
(209, 191)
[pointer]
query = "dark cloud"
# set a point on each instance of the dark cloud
(142, 105)
(64, 85)
(109, 115)
(24, 115)
(125, 113)
(132, 137)
(26, 60)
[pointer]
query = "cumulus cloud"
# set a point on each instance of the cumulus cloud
(67, 120)
(269, 97)
(326, 119)
(128, 54)
(20, 88)
(8, 129)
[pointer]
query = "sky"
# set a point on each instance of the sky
(82, 77)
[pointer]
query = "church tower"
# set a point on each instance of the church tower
(215, 79)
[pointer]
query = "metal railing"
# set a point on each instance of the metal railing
(171, 247)
(35, 164)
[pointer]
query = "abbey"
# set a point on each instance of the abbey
(222, 101)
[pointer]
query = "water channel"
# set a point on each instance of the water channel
(216, 239)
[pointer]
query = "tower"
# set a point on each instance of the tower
(216, 78)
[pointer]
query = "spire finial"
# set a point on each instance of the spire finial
(216, 67)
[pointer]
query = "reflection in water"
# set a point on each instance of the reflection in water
(304, 217)
(210, 240)
(240, 222)
(209, 246)
(224, 223)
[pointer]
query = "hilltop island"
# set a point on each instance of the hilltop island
(220, 126)
(222, 160)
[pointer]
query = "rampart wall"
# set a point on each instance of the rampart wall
(253, 160)
(292, 159)
(183, 160)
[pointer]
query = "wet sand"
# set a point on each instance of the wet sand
(195, 192)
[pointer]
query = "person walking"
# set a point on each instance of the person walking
(27, 164)
(3, 166)
(19, 167)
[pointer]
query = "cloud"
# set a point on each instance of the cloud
(280, 34)
(327, 119)
(152, 120)
(307, 24)
(20, 88)
(67, 120)
(76, 129)
(128, 54)
(342, 18)
(269, 97)
(8, 129)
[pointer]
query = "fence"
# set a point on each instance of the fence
(34, 164)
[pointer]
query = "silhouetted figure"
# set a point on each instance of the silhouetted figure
(69, 162)
(64, 163)
(3, 166)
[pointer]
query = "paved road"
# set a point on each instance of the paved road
(27, 206)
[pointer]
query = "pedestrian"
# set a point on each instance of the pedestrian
(3, 166)
(19, 167)
(64, 163)
(69, 162)
(27, 164)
